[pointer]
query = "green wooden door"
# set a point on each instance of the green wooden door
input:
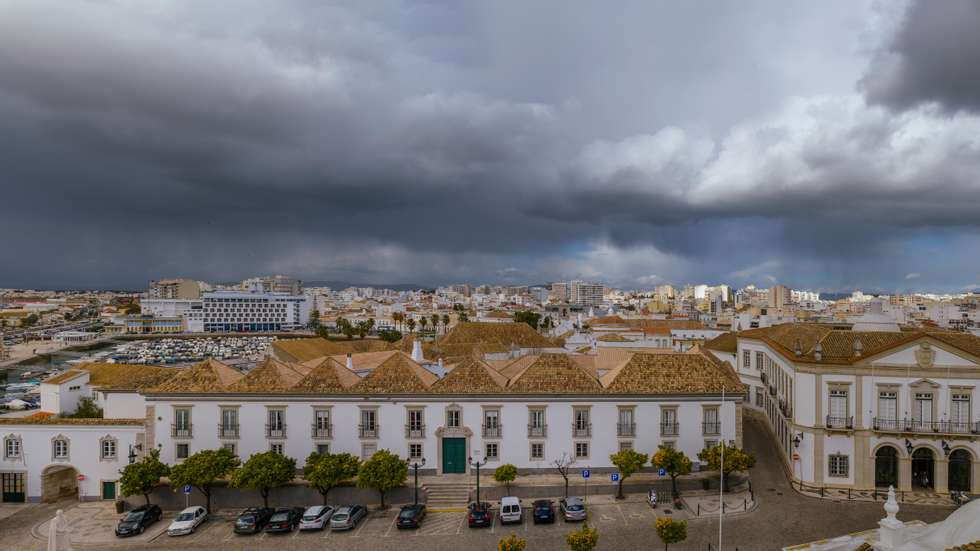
(453, 455)
(13, 487)
(108, 490)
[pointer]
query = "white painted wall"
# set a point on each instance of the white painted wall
(63, 398)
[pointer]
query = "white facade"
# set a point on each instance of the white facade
(236, 311)
(63, 397)
(191, 310)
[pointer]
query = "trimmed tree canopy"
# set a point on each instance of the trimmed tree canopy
(142, 477)
(202, 470)
(326, 471)
(263, 472)
(384, 471)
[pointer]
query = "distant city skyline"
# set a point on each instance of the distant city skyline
(830, 146)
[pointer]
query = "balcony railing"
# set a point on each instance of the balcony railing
(670, 429)
(914, 425)
(711, 428)
(321, 430)
(227, 431)
(414, 431)
(625, 429)
(840, 422)
(583, 430)
(181, 431)
(540, 431)
(367, 431)
(492, 432)
(275, 431)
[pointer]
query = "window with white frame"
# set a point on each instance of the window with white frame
(537, 450)
(230, 446)
(276, 447)
(959, 412)
(59, 448)
(182, 451)
(368, 449)
(107, 447)
(581, 450)
(710, 444)
(838, 407)
(922, 408)
(759, 356)
(837, 465)
(746, 359)
(11, 447)
(888, 405)
(453, 416)
(492, 451)
(323, 449)
(415, 451)
(416, 420)
(625, 445)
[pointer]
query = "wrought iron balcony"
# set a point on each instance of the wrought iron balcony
(321, 430)
(415, 431)
(840, 422)
(582, 430)
(367, 431)
(492, 432)
(228, 431)
(275, 431)
(539, 431)
(917, 426)
(625, 429)
(670, 429)
(711, 428)
(181, 431)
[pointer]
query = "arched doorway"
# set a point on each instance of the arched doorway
(959, 471)
(886, 467)
(58, 482)
(923, 469)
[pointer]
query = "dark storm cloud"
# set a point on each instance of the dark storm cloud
(431, 143)
(933, 57)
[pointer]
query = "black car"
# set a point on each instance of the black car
(480, 514)
(253, 519)
(411, 516)
(285, 519)
(137, 520)
(543, 511)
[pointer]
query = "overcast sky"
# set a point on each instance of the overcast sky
(826, 145)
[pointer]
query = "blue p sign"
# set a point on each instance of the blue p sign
(585, 473)
(187, 489)
(614, 477)
(662, 472)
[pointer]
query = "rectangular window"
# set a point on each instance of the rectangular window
(537, 450)
(415, 451)
(12, 448)
(624, 424)
(922, 408)
(230, 446)
(838, 408)
(669, 444)
(758, 361)
(229, 418)
(581, 450)
(536, 424)
(452, 418)
(668, 422)
(746, 359)
(368, 449)
(959, 413)
(182, 451)
(369, 420)
(625, 445)
(108, 449)
(276, 426)
(492, 451)
(276, 447)
(887, 410)
(837, 466)
(416, 419)
(60, 449)
(710, 444)
(323, 449)
(711, 423)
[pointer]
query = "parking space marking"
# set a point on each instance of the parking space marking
(622, 514)
(441, 524)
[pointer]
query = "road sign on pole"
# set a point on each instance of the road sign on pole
(585, 473)
(614, 477)
(662, 472)
(187, 489)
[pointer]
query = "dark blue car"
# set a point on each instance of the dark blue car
(543, 511)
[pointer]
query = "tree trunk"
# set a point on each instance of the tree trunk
(265, 497)
(566, 487)
(207, 494)
(673, 485)
(147, 497)
(619, 494)
(508, 487)
(382, 499)
(324, 495)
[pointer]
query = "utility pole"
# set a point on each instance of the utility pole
(416, 466)
(477, 464)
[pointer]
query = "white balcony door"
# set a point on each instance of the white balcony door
(922, 410)
(887, 406)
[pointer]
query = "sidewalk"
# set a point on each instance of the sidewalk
(843, 494)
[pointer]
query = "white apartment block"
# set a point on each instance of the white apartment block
(236, 311)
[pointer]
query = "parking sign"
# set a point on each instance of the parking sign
(585, 473)
(662, 472)
(614, 477)
(187, 489)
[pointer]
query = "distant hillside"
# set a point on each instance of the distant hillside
(346, 284)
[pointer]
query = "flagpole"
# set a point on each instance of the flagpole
(721, 489)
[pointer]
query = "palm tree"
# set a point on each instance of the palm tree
(397, 318)
(423, 321)
(445, 323)
(435, 322)
(411, 325)
(463, 317)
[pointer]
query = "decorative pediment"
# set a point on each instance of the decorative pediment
(924, 383)
(925, 356)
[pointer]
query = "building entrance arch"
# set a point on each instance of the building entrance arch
(960, 465)
(886, 467)
(923, 469)
(59, 482)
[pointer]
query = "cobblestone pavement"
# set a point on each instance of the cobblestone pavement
(782, 517)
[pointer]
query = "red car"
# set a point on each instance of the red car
(480, 514)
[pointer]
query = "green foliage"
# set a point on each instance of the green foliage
(364, 327)
(142, 477)
(505, 474)
(445, 322)
(511, 543)
(202, 470)
(87, 410)
(674, 462)
(326, 471)
(584, 539)
(546, 323)
(423, 321)
(29, 320)
(132, 309)
(435, 322)
(315, 319)
(529, 317)
(463, 317)
(322, 332)
(384, 471)
(346, 327)
(263, 472)
(671, 531)
(628, 462)
(736, 459)
(390, 335)
(411, 325)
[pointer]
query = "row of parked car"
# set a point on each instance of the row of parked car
(319, 517)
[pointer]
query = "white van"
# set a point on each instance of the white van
(510, 510)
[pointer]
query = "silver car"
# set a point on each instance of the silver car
(573, 508)
(347, 517)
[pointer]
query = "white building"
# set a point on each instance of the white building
(229, 311)
(585, 294)
(190, 310)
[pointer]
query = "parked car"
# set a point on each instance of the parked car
(316, 517)
(347, 517)
(573, 508)
(283, 520)
(253, 519)
(543, 511)
(137, 520)
(187, 521)
(480, 514)
(411, 516)
(510, 510)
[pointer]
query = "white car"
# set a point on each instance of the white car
(510, 510)
(316, 517)
(187, 521)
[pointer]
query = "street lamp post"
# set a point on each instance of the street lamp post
(416, 466)
(478, 464)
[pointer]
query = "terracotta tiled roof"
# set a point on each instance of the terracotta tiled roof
(207, 376)
(301, 350)
(678, 373)
(613, 337)
(365, 361)
(66, 421)
(515, 367)
(271, 376)
(554, 374)
(108, 376)
(471, 376)
(396, 375)
(975, 546)
(326, 376)
(503, 334)
(64, 377)
(608, 320)
(726, 342)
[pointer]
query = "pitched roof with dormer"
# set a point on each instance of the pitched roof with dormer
(471, 376)
(270, 376)
(209, 375)
(397, 375)
(326, 376)
(679, 373)
(554, 374)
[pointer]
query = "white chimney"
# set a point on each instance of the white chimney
(350, 361)
(441, 366)
(417, 351)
